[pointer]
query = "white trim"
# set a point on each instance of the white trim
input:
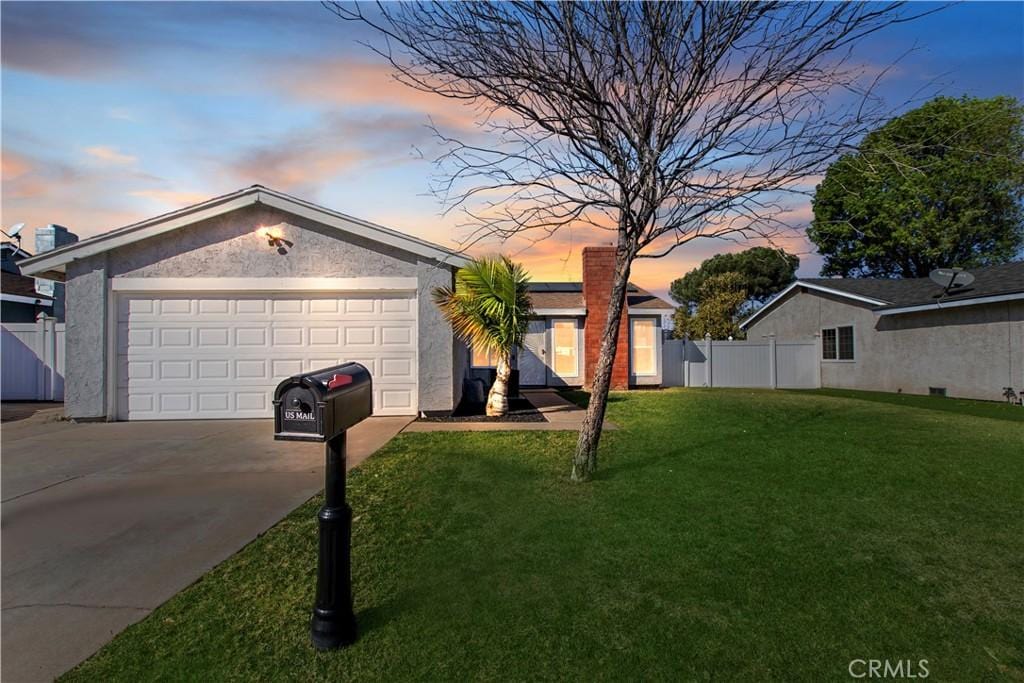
(559, 311)
(263, 284)
(18, 298)
(809, 285)
(652, 311)
(56, 259)
(952, 304)
(582, 311)
(575, 342)
(632, 347)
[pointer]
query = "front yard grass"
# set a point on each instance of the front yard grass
(730, 534)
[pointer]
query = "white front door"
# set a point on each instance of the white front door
(221, 355)
(532, 368)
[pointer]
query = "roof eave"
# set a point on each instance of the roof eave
(816, 287)
(956, 303)
(56, 259)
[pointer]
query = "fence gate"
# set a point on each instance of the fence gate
(33, 361)
(768, 364)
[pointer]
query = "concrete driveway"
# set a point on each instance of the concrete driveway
(103, 522)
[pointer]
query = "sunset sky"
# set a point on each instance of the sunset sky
(115, 112)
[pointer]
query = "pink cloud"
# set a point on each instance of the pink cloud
(172, 198)
(347, 83)
(110, 155)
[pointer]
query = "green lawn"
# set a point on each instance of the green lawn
(730, 534)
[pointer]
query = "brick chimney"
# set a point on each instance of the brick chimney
(598, 274)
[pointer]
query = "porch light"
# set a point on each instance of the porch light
(273, 234)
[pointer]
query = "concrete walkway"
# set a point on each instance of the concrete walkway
(559, 415)
(103, 522)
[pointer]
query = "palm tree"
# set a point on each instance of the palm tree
(489, 309)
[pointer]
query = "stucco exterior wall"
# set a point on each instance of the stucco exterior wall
(85, 372)
(440, 381)
(971, 351)
(228, 246)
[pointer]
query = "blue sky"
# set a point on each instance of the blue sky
(114, 112)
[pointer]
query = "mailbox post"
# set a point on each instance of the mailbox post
(321, 406)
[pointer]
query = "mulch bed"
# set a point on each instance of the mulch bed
(519, 410)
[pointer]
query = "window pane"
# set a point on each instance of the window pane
(845, 343)
(482, 359)
(828, 344)
(565, 343)
(643, 347)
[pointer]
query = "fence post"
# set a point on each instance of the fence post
(39, 348)
(708, 374)
(52, 357)
(686, 361)
(773, 360)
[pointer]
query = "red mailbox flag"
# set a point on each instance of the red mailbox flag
(339, 381)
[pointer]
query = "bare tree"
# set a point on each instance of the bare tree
(660, 122)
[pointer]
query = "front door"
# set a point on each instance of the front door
(533, 371)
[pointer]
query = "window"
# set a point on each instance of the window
(644, 360)
(837, 343)
(484, 359)
(566, 346)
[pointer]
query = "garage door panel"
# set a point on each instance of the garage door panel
(221, 356)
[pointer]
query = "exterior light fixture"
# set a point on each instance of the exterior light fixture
(273, 234)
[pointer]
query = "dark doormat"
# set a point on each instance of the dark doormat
(519, 410)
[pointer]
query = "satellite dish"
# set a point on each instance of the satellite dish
(13, 232)
(951, 278)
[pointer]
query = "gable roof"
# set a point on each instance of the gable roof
(568, 296)
(894, 296)
(56, 259)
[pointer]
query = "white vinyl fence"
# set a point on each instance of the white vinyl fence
(769, 364)
(32, 361)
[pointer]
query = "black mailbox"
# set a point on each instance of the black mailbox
(320, 405)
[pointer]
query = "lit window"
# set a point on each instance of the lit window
(484, 359)
(644, 361)
(837, 343)
(566, 345)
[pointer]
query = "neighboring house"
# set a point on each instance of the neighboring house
(24, 298)
(907, 335)
(563, 340)
(19, 300)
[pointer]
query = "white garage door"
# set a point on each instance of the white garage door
(215, 356)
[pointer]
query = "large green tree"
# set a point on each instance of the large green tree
(762, 273)
(939, 186)
(720, 298)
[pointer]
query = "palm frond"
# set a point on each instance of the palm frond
(489, 306)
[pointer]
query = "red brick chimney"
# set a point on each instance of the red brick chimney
(598, 274)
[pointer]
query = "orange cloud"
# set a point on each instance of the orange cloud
(13, 166)
(341, 82)
(109, 155)
(171, 197)
(292, 167)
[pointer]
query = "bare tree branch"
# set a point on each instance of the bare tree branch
(661, 121)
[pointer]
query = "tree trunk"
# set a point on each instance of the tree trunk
(497, 399)
(584, 462)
